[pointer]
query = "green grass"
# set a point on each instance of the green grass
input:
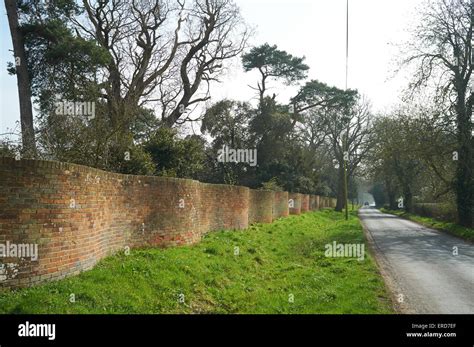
(276, 261)
(449, 227)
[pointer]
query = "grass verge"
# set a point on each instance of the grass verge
(273, 264)
(452, 228)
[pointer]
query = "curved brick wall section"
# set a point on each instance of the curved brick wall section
(317, 202)
(260, 206)
(304, 203)
(280, 205)
(312, 203)
(322, 202)
(224, 207)
(328, 202)
(169, 211)
(296, 197)
(78, 215)
(325, 202)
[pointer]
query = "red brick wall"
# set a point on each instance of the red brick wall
(304, 203)
(280, 205)
(324, 202)
(223, 207)
(296, 198)
(317, 202)
(312, 203)
(78, 215)
(261, 206)
(328, 202)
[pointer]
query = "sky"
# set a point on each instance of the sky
(315, 29)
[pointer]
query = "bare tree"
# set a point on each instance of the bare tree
(216, 34)
(349, 136)
(137, 36)
(162, 51)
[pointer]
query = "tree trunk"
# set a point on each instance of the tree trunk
(464, 175)
(392, 203)
(391, 195)
(408, 197)
(23, 79)
(340, 190)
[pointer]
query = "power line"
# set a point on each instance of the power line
(347, 40)
(346, 155)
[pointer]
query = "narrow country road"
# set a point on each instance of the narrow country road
(419, 266)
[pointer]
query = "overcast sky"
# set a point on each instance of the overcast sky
(311, 28)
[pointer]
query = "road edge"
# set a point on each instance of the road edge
(383, 267)
(439, 230)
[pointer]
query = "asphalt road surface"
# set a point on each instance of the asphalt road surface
(419, 264)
